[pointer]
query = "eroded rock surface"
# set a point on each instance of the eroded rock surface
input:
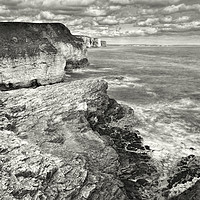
(53, 153)
(184, 180)
(28, 173)
(33, 54)
(71, 141)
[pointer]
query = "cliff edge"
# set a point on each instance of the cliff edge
(92, 42)
(71, 141)
(37, 53)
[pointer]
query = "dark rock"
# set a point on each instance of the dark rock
(184, 179)
(136, 169)
(76, 64)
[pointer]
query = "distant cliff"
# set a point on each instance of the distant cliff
(37, 53)
(91, 42)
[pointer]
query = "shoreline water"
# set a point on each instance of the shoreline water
(166, 113)
(165, 101)
(141, 150)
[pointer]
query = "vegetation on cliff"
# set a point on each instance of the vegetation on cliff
(25, 39)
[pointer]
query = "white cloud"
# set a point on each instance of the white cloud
(184, 27)
(149, 22)
(109, 20)
(103, 17)
(195, 25)
(141, 32)
(166, 19)
(74, 22)
(4, 10)
(95, 11)
(114, 7)
(61, 4)
(181, 8)
(147, 2)
(182, 19)
(127, 20)
(46, 15)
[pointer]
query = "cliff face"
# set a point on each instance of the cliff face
(53, 153)
(76, 144)
(91, 42)
(71, 141)
(36, 54)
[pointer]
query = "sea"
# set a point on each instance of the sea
(162, 85)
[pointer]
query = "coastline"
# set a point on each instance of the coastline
(83, 124)
(71, 140)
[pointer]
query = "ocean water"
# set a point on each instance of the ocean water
(162, 85)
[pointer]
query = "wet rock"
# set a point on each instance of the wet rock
(76, 64)
(184, 179)
(136, 170)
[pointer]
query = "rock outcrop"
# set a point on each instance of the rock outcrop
(91, 42)
(34, 54)
(48, 149)
(103, 43)
(184, 180)
(71, 141)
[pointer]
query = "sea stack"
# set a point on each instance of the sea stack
(91, 42)
(103, 43)
(34, 54)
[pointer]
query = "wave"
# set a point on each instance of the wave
(122, 81)
(169, 129)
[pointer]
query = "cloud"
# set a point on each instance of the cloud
(188, 26)
(146, 2)
(75, 22)
(149, 22)
(185, 27)
(104, 17)
(62, 4)
(166, 19)
(4, 11)
(47, 15)
(127, 20)
(181, 8)
(46, 4)
(182, 19)
(109, 20)
(95, 11)
(140, 32)
(114, 7)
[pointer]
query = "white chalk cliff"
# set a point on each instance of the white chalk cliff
(36, 54)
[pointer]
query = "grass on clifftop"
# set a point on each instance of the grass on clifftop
(20, 39)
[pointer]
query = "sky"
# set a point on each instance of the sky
(126, 20)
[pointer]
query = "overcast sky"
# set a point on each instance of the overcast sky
(111, 18)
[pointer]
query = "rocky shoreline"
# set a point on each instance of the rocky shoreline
(72, 141)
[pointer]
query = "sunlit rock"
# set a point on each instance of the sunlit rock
(33, 54)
